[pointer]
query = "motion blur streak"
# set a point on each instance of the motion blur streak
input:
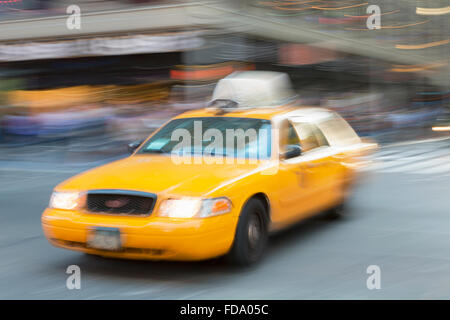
(395, 27)
(367, 15)
(72, 100)
(422, 46)
(432, 11)
(441, 128)
(340, 8)
(417, 68)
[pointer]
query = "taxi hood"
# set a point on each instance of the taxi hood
(160, 174)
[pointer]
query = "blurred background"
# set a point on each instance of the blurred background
(83, 94)
(73, 98)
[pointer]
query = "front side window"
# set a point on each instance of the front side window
(288, 136)
(292, 136)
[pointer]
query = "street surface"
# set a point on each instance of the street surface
(397, 219)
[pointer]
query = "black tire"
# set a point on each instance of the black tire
(251, 236)
(336, 212)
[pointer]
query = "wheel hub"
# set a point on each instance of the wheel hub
(254, 232)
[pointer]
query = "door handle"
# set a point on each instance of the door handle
(301, 177)
(313, 165)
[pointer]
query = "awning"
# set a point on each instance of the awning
(102, 46)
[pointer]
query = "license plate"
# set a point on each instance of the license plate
(103, 238)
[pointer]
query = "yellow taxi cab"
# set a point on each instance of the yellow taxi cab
(213, 182)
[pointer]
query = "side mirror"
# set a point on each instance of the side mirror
(134, 145)
(292, 151)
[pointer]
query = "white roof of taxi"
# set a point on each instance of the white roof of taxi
(255, 88)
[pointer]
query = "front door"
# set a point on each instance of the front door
(294, 179)
(319, 163)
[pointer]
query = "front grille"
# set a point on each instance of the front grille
(114, 202)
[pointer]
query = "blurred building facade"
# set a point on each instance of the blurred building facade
(132, 66)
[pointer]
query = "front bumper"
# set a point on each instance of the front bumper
(154, 238)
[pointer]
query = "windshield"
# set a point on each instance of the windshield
(213, 136)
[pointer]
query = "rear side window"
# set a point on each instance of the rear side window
(338, 132)
(310, 136)
(320, 136)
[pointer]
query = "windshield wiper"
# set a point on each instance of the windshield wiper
(154, 151)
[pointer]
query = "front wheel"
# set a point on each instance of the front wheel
(251, 236)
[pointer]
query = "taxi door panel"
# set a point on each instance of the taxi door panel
(315, 180)
(326, 178)
(292, 193)
(294, 189)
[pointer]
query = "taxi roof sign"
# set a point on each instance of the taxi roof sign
(250, 89)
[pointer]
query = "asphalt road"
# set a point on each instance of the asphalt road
(398, 220)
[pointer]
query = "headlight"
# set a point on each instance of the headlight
(214, 207)
(194, 207)
(65, 200)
